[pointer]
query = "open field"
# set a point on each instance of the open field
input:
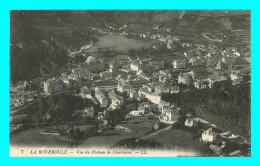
(138, 126)
(106, 139)
(41, 137)
(180, 140)
(34, 137)
(118, 43)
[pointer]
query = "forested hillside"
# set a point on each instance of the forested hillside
(227, 107)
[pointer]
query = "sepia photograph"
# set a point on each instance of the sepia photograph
(130, 83)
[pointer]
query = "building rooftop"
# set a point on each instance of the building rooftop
(164, 103)
(114, 96)
(84, 89)
(209, 132)
(100, 94)
(136, 62)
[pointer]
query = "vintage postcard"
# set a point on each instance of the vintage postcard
(130, 83)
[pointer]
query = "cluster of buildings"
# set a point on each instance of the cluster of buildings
(87, 70)
(19, 94)
(206, 73)
(211, 57)
(114, 27)
(217, 138)
(163, 35)
(147, 79)
(137, 80)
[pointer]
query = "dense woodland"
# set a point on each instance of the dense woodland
(225, 105)
(60, 108)
(38, 48)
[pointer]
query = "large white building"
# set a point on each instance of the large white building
(136, 65)
(101, 97)
(152, 97)
(162, 89)
(123, 87)
(200, 84)
(88, 112)
(116, 100)
(179, 63)
(172, 113)
(52, 86)
(184, 78)
(85, 92)
(209, 135)
(236, 77)
(190, 122)
(162, 104)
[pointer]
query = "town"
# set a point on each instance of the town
(175, 89)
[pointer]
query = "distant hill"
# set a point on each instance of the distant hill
(86, 18)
